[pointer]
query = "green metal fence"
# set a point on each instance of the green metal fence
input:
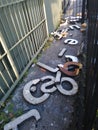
(23, 32)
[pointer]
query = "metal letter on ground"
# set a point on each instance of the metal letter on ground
(74, 89)
(14, 124)
(48, 84)
(71, 41)
(30, 98)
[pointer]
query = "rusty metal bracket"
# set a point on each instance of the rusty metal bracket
(71, 68)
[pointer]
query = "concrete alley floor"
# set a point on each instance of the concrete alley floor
(58, 112)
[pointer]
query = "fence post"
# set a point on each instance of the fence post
(45, 18)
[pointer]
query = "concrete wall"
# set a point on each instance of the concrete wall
(53, 13)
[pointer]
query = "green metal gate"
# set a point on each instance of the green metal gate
(23, 32)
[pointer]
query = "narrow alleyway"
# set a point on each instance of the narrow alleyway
(59, 111)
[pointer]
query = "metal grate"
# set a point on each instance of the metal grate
(23, 33)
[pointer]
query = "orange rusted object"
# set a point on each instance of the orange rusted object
(71, 68)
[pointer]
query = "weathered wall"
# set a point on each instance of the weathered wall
(53, 12)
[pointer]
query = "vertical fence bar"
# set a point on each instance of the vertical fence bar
(44, 11)
(26, 13)
(21, 53)
(9, 56)
(18, 60)
(4, 80)
(5, 28)
(2, 90)
(33, 46)
(7, 71)
(34, 24)
(35, 33)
